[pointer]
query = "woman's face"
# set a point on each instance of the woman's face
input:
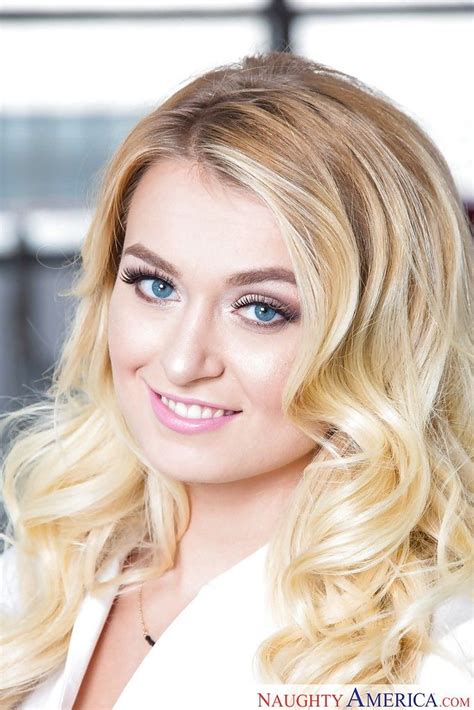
(215, 317)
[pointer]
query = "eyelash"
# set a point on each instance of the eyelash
(136, 274)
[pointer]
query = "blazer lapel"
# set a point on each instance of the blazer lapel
(59, 691)
(87, 628)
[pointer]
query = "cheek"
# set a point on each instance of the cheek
(130, 338)
(264, 372)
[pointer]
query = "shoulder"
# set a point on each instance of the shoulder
(452, 615)
(451, 661)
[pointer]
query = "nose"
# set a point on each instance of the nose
(190, 348)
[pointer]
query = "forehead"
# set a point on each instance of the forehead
(188, 216)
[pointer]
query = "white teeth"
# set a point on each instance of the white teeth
(181, 409)
(194, 411)
(169, 403)
(197, 412)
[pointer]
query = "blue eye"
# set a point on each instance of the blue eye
(264, 312)
(160, 288)
(154, 287)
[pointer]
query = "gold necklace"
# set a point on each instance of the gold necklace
(145, 632)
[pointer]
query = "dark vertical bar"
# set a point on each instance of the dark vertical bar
(280, 17)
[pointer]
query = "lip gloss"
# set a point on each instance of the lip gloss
(182, 425)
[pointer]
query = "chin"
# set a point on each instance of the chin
(181, 474)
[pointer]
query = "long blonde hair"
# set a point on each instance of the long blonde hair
(376, 534)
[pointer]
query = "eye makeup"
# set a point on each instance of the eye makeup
(254, 299)
(135, 275)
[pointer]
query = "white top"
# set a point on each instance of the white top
(203, 660)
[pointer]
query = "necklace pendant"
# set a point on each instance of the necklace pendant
(149, 640)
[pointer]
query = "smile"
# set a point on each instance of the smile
(194, 411)
(189, 418)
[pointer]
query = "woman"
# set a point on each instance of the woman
(263, 398)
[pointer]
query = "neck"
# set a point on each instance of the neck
(231, 520)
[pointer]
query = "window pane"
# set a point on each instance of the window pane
(422, 63)
(104, 65)
(55, 161)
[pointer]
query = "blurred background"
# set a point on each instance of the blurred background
(77, 75)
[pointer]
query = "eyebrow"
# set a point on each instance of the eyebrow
(241, 278)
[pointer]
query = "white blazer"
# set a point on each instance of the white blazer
(203, 659)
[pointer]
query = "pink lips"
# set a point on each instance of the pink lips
(186, 426)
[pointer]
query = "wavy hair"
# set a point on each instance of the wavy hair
(379, 243)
